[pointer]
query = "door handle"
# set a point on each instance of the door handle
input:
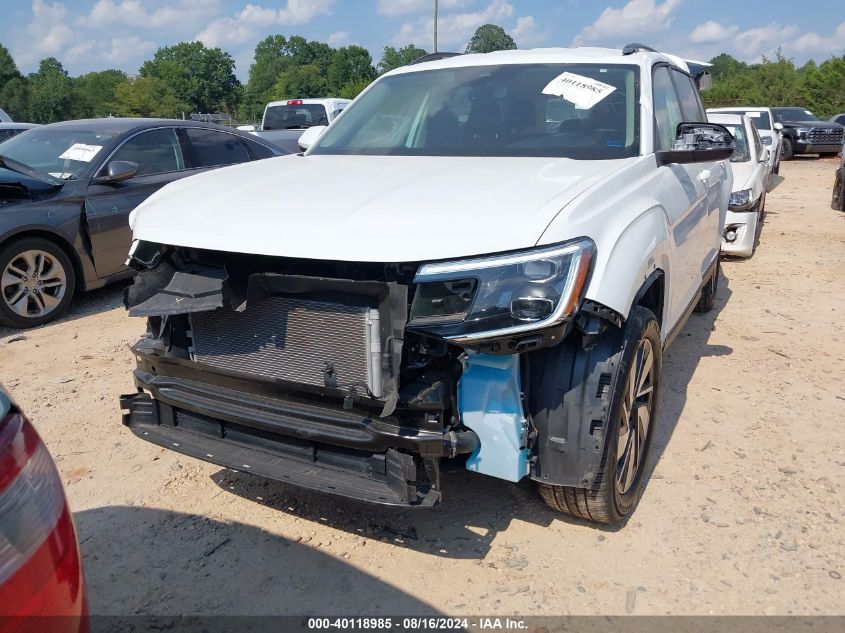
(704, 176)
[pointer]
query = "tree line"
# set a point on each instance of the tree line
(778, 82)
(191, 77)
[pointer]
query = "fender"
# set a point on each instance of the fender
(646, 242)
(61, 222)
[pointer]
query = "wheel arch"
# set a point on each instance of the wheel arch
(57, 239)
(619, 285)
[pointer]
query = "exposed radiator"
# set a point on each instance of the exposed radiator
(299, 340)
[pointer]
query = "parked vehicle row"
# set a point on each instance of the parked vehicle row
(767, 126)
(751, 170)
(482, 260)
(66, 192)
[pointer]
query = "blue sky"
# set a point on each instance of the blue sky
(95, 34)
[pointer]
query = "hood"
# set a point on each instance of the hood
(827, 124)
(18, 188)
(368, 208)
(742, 175)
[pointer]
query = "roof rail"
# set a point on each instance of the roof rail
(634, 47)
(433, 57)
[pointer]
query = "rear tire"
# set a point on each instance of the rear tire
(787, 152)
(37, 282)
(619, 483)
(707, 299)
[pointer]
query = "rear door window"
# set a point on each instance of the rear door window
(155, 152)
(213, 149)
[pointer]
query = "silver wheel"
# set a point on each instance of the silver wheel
(637, 407)
(33, 284)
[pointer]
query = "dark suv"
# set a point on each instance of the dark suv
(805, 133)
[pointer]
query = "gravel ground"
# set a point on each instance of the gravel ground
(743, 513)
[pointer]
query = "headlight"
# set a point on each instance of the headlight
(802, 131)
(740, 200)
(767, 140)
(478, 299)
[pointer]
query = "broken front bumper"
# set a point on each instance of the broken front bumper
(343, 452)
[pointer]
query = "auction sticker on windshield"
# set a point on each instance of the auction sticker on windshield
(81, 152)
(584, 92)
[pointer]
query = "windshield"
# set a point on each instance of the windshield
(741, 153)
(60, 151)
(760, 119)
(584, 111)
(294, 117)
(794, 114)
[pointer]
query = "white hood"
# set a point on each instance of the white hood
(368, 208)
(742, 175)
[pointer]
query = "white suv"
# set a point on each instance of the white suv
(480, 262)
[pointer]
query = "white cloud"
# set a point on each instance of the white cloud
(710, 32)
(338, 39)
(404, 7)
(48, 34)
(173, 16)
(453, 29)
(637, 17)
(752, 44)
(527, 33)
(254, 19)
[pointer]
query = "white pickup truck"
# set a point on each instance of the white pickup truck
(284, 121)
(481, 263)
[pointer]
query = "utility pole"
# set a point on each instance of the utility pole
(435, 26)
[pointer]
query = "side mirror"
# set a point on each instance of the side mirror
(246, 128)
(778, 127)
(118, 171)
(310, 136)
(699, 143)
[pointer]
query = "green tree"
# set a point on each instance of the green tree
(274, 55)
(351, 66)
(14, 93)
(396, 58)
(96, 92)
(147, 97)
(51, 93)
(724, 66)
(204, 78)
(824, 87)
(300, 82)
(489, 38)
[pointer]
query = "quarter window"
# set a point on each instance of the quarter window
(155, 152)
(212, 148)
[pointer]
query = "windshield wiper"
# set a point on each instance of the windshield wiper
(13, 165)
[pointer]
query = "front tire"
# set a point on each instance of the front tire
(37, 282)
(787, 152)
(618, 485)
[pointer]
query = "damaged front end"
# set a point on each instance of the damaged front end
(357, 379)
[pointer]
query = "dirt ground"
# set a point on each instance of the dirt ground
(743, 513)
